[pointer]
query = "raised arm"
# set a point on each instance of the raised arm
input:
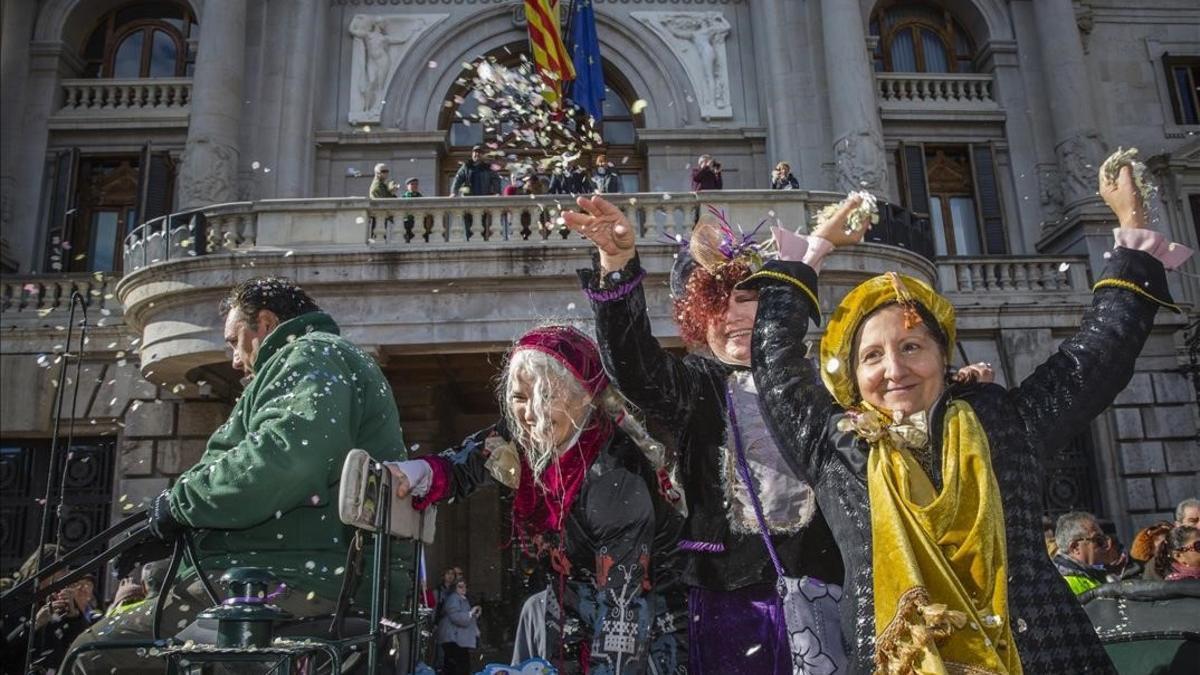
(653, 379)
(1092, 366)
(794, 402)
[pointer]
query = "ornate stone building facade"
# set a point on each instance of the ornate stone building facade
(258, 124)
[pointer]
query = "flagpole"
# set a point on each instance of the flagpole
(569, 86)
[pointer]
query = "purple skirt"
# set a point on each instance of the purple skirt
(740, 631)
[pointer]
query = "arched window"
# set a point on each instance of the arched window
(618, 128)
(142, 39)
(920, 38)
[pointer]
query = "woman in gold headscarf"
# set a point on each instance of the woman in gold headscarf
(931, 486)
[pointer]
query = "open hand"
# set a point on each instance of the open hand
(606, 227)
(400, 485)
(1123, 198)
(833, 229)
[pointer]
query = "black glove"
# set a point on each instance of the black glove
(162, 523)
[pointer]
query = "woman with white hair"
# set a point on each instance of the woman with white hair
(584, 473)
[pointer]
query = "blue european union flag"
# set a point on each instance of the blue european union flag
(588, 88)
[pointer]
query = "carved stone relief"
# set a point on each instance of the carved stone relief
(698, 40)
(380, 43)
(1050, 191)
(207, 173)
(1078, 161)
(859, 157)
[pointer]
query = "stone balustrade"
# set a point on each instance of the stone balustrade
(107, 100)
(27, 296)
(1001, 279)
(441, 222)
(936, 90)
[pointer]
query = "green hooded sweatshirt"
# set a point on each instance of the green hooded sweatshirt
(264, 494)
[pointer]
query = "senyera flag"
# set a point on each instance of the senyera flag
(549, 52)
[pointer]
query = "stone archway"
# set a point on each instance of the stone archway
(433, 65)
(985, 20)
(69, 21)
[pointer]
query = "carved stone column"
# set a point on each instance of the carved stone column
(1077, 144)
(209, 171)
(857, 132)
(14, 60)
(295, 164)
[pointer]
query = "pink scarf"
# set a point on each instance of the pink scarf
(543, 507)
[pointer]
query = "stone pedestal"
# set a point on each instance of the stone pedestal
(857, 132)
(209, 171)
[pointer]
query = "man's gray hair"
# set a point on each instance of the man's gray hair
(1072, 527)
(1189, 503)
(380, 167)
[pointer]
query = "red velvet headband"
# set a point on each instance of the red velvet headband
(572, 349)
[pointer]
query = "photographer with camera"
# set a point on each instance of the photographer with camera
(707, 174)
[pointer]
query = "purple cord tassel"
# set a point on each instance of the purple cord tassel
(701, 546)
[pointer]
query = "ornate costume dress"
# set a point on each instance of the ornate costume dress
(615, 604)
(735, 624)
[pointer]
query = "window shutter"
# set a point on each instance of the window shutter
(60, 220)
(912, 165)
(154, 190)
(987, 196)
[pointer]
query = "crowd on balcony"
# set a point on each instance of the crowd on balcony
(478, 176)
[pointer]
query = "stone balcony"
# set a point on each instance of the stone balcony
(124, 103)
(936, 95)
(423, 276)
(455, 275)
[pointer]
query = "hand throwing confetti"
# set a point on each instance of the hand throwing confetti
(1111, 170)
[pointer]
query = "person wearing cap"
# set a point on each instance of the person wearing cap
(583, 472)
(382, 187)
(708, 400)
(412, 190)
(931, 484)
(475, 178)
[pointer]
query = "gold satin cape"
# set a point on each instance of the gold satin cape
(941, 571)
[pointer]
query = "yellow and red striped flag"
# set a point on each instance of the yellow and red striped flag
(549, 53)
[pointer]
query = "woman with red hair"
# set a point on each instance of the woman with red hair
(736, 482)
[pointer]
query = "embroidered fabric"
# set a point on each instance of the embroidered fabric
(787, 501)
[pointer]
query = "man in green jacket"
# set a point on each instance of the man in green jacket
(264, 494)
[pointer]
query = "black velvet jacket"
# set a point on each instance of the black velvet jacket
(686, 396)
(1047, 409)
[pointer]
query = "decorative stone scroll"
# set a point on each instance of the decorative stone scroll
(859, 158)
(380, 43)
(698, 40)
(1079, 157)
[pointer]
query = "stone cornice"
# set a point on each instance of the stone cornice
(703, 133)
(381, 137)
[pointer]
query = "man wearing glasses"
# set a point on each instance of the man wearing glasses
(1082, 551)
